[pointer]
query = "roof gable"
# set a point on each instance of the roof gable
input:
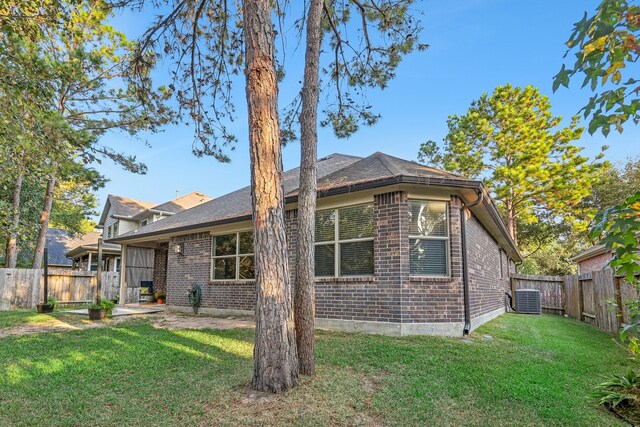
(122, 206)
(379, 166)
(337, 174)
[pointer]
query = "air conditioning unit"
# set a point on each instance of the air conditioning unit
(528, 301)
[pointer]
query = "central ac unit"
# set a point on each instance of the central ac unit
(528, 301)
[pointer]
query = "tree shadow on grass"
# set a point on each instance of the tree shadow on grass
(137, 370)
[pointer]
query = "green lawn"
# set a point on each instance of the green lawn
(536, 371)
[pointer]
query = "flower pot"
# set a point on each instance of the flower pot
(160, 301)
(45, 308)
(97, 314)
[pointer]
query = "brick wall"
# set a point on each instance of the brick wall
(160, 268)
(391, 295)
(187, 268)
(433, 300)
(194, 266)
(595, 263)
(375, 298)
(486, 286)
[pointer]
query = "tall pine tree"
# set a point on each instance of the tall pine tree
(512, 141)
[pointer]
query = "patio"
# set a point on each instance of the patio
(126, 310)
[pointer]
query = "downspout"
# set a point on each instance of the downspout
(465, 269)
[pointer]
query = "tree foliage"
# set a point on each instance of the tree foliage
(66, 81)
(526, 157)
(605, 47)
(614, 185)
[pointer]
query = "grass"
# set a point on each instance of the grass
(535, 371)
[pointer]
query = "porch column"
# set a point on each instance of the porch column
(123, 274)
(89, 263)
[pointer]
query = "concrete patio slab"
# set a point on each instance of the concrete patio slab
(125, 311)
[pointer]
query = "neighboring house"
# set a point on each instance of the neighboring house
(595, 258)
(390, 257)
(84, 253)
(119, 216)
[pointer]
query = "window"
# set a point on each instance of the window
(115, 229)
(108, 232)
(344, 241)
(428, 238)
(232, 256)
(144, 222)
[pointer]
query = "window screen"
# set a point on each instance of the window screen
(344, 241)
(428, 238)
(232, 256)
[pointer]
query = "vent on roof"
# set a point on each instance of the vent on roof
(528, 301)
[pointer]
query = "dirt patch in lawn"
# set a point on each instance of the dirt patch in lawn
(60, 323)
(178, 321)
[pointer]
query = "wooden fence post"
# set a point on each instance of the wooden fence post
(580, 300)
(619, 301)
(99, 272)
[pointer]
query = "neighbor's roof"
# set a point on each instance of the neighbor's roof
(122, 206)
(58, 243)
(89, 243)
(176, 205)
(337, 174)
(589, 253)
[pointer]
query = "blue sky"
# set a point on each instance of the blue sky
(475, 45)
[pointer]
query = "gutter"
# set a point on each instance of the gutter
(143, 214)
(465, 268)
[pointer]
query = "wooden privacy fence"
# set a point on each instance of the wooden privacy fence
(22, 288)
(584, 297)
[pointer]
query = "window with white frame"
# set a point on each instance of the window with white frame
(344, 241)
(114, 232)
(428, 238)
(232, 256)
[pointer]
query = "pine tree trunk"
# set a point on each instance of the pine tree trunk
(304, 306)
(11, 254)
(275, 358)
(44, 223)
(512, 225)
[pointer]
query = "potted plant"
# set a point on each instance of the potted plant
(161, 297)
(101, 310)
(48, 307)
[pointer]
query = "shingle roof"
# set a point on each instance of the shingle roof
(89, 242)
(128, 207)
(379, 166)
(238, 203)
(123, 206)
(337, 174)
(58, 244)
(179, 204)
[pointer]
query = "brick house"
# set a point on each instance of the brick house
(595, 258)
(401, 249)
